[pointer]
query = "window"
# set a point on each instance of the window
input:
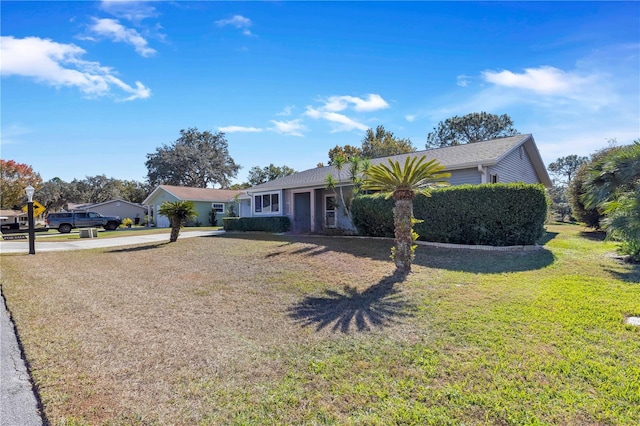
(218, 207)
(266, 203)
(494, 178)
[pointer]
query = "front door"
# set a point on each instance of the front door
(330, 211)
(302, 212)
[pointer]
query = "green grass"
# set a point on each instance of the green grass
(252, 329)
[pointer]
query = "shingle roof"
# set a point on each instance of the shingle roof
(486, 153)
(196, 194)
(11, 213)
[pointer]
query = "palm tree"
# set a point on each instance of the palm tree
(402, 183)
(178, 212)
(357, 166)
(613, 187)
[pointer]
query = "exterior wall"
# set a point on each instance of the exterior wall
(465, 176)
(204, 208)
(287, 196)
(515, 167)
(245, 208)
(162, 196)
(123, 210)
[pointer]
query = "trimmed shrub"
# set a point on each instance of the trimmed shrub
(261, 224)
(490, 214)
(372, 215)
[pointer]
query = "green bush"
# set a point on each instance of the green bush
(491, 214)
(262, 224)
(373, 215)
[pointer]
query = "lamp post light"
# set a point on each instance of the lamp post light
(32, 231)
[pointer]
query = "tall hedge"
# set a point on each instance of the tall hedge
(262, 224)
(491, 214)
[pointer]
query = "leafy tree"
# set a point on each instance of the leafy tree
(178, 212)
(14, 178)
(347, 152)
(383, 143)
(243, 185)
(590, 217)
(560, 201)
(195, 159)
(357, 166)
(375, 144)
(268, 173)
(470, 128)
(402, 183)
(134, 191)
(566, 167)
(97, 189)
(52, 194)
(613, 187)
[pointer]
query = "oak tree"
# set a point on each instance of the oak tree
(470, 128)
(195, 159)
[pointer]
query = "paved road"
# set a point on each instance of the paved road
(18, 404)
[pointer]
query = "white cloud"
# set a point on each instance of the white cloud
(134, 11)
(112, 29)
(12, 134)
(373, 102)
(463, 80)
(291, 128)
(341, 123)
(59, 65)
(237, 21)
(410, 117)
(569, 111)
(544, 80)
(238, 129)
(287, 111)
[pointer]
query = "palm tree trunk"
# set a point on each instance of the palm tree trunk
(175, 231)
(402, 220)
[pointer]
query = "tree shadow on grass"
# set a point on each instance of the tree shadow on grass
(138, 248)
(548, 236)
(454, 259)
(594, 235)
(377, 306)
(631, 276)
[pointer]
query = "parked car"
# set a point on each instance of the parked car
(64, 222)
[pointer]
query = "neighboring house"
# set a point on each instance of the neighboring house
(118, 207)
(205, 199)
(12, 219)
(303, 196)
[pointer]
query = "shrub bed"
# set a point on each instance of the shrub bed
(261, 224)
(491, 214)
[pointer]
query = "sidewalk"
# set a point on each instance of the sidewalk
(22, 246)
(18, 403)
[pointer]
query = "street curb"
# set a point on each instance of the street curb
(19, 401)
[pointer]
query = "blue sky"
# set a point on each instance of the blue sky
(90, 88)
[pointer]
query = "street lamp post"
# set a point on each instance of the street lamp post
(32, 231)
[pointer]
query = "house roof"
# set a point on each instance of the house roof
(457, 157)
(11, 213)
(88, 206)
(195, 194)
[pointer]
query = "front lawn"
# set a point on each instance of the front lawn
(261, 329)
